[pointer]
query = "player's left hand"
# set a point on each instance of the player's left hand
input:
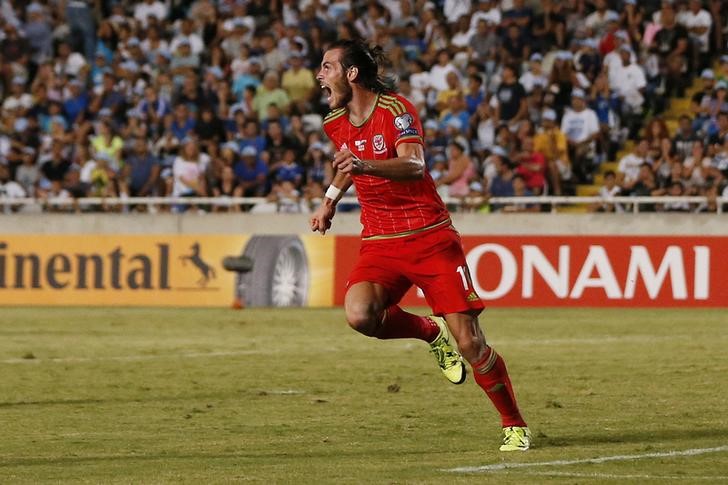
(347, 162)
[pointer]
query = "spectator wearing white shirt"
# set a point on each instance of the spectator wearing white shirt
(535, 75)
(613, 61)
(698, 22)
(488, 11)
(454, 9)
(438, 72)
(607, 192)
(581, 127)
(695, 165)
(17, 97)
(628, 171)
(630, 89)
(461, 37)
(597, 21)
(419, 79)
(187, 33)
(9, 189)
(188, 171)
(273, 56)
(236, 39)
(150, 8)
(68, 63)
(28, 174)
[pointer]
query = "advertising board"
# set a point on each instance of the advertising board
(587, 271)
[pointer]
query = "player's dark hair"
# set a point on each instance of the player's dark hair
(371, 63)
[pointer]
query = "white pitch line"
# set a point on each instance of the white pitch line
(602, 459)
(614, 476)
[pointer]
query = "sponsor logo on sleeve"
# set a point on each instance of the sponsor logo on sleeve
(403, 122)
(408, 132)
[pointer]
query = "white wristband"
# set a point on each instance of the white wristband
(333, 192)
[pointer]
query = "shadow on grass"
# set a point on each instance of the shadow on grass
(637, 436)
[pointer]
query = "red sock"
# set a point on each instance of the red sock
(397, 323)
(491, 374)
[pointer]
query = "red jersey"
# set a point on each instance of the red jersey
(387, 207)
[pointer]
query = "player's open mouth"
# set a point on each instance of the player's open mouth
(327, 92)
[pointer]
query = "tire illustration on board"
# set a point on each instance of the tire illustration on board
(271, 272)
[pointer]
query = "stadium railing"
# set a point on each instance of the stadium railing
(629, 203)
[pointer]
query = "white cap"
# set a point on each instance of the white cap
(549, 114)
(498, 150)
(249, 151)
(232, 146)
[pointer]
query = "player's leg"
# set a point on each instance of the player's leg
(491, 374)
(447, 286)
(489, 369)
(374, 288)
(368, 312)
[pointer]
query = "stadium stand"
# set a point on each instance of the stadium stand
(209, 98)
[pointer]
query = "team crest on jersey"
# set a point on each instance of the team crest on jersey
(360, 144)
(379, 145)
(403, 122)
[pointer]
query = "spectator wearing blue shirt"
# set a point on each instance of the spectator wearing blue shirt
(37, 31)
(99, 67)
(54, 116)
(520, 190)
(288, 170)
(252, 172)
(475, 95)
(141, 170)
(108, 97)
(251, 136)
(76, 103)
(153, 108)
(456, 110)
(251, 78)
(521, 16)
(183, 123)
(502, 183)
(412, 43)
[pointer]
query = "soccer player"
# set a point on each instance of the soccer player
(407, 235)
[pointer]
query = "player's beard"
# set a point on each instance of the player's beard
(341, 93)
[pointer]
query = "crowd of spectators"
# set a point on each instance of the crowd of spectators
(219, 98)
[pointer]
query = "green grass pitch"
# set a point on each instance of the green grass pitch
(295, 396)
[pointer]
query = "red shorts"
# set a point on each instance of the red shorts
(432, 260)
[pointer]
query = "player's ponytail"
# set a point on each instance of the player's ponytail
(372, 63)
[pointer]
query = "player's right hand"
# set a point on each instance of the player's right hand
(347, 162)
(321, 218)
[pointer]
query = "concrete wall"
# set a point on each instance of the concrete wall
(474, 224)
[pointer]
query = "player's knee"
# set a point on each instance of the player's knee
(471, 346)
(363, 317)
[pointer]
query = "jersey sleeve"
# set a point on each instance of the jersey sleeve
(330, 123)
(403, 125)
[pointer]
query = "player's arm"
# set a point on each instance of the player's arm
(321, 218)
(408, 165)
